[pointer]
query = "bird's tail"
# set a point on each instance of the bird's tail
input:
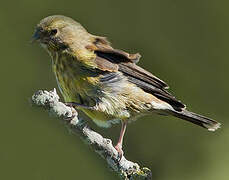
(200, 120)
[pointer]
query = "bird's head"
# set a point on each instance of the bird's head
(60, 33)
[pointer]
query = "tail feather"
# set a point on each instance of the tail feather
(197, 119)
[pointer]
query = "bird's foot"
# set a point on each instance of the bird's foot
(118, 147)
(74, 104)
(74, 114)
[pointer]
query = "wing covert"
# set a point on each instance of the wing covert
(113, 60)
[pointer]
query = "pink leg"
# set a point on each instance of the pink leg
(118, 147)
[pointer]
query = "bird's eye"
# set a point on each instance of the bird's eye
(53, 32)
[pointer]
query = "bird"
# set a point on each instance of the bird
(106, 83)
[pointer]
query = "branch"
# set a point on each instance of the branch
(126, 169)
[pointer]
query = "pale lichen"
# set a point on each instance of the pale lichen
(126, 169)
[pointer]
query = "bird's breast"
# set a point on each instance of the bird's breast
(73, 81)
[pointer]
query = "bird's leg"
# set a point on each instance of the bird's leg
(118, 146)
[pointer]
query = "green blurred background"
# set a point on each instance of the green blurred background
(183, 42)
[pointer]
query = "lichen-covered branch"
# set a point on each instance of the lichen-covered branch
(126, 169)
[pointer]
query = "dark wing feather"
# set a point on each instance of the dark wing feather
(113, 60)
(150, 84)
(132, 69)
(105, 65)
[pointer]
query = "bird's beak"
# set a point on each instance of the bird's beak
(36, 36)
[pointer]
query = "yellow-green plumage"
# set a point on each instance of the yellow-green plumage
(90, 72)
(78, 84)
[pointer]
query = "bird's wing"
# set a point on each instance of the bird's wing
(113, 60)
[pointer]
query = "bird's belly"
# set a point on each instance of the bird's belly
(111, 103)
(101, 119)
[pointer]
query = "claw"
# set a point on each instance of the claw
(118, 147)
(74, 114)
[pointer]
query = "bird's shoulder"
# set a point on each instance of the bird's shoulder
(113, 60)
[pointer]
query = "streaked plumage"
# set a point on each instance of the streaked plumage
(91, 72)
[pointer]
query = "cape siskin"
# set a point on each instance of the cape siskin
(105, 83)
